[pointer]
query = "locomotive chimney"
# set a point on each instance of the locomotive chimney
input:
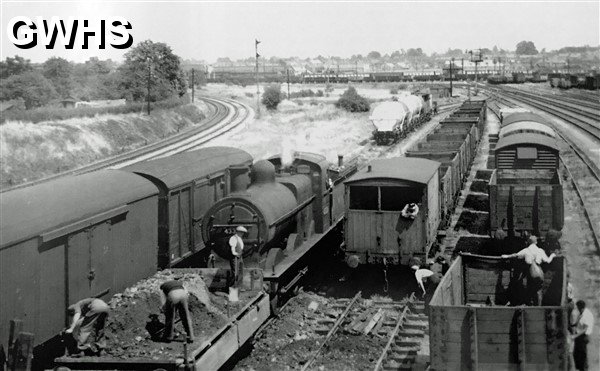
(340, 160)
(369, 168)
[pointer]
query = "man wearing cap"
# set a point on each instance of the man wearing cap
(237, 247)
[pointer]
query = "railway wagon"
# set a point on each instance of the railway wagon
(475, 325)
(526, 151)
(75, 237)
(188, 184)
(286, 208)
(374, 230)
(454, 159)
(526, 201)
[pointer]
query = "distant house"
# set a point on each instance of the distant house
(68, 102)
(12, 105)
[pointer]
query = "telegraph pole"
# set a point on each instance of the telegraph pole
(451, 66)
(192, 85)
(256, 42)
(148, 107)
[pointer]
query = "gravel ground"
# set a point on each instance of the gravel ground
(295, 335)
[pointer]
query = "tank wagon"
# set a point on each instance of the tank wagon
(476, 321)
(394, 120)
(431, 176)
(286, 208)
(525, 189)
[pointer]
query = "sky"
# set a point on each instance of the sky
(209, 30)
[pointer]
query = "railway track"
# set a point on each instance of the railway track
(402, 324)
(585, 120)
(226, 116)
(583, 174)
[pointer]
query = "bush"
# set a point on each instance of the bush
(302, 94)
(272, 97)
(249, 95)
(352, 102)
(319, 93)
(328, 88)
(393, 91)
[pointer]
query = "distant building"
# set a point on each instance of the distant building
(68, 102)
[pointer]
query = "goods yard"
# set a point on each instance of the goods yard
(333, 253)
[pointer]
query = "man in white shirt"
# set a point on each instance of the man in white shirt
(422, 274)
(237, 247)
(533, 256)
(583, 331)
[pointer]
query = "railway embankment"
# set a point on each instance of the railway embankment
(31, 151)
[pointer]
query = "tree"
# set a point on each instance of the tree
(374, 55)
(31, 86)
(14, 66)
(352, 102)
(59, 71)
(272, 96)
(526, 48)
(167, 78)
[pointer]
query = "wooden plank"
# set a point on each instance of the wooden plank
(497, 327)
(219, 352)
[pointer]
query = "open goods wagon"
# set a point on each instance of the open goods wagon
(211, 349)
(526, 200)
(468, 334)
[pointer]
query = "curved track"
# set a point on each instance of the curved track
(226, 115)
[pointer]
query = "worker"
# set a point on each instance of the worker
(585, 326)
(425, 274)
(410, 211)
(175, 297)
(87, 325)
(435, 108)
(236, 242)
(533, 257)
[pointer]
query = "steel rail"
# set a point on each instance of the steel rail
(388, 345)
(331, 332)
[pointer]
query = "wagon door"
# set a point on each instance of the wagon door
(102, 263)
(78, 262)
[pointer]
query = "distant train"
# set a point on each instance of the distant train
(568, 81)
(394, 120)
(516, 78)
(376, 230)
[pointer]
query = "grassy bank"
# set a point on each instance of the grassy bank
(30, 151)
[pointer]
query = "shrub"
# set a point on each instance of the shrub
(272, 96)
(319, 93)
(393, 91)
(302, 94)
(352, 102)
(328, 88)
(249, 95)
